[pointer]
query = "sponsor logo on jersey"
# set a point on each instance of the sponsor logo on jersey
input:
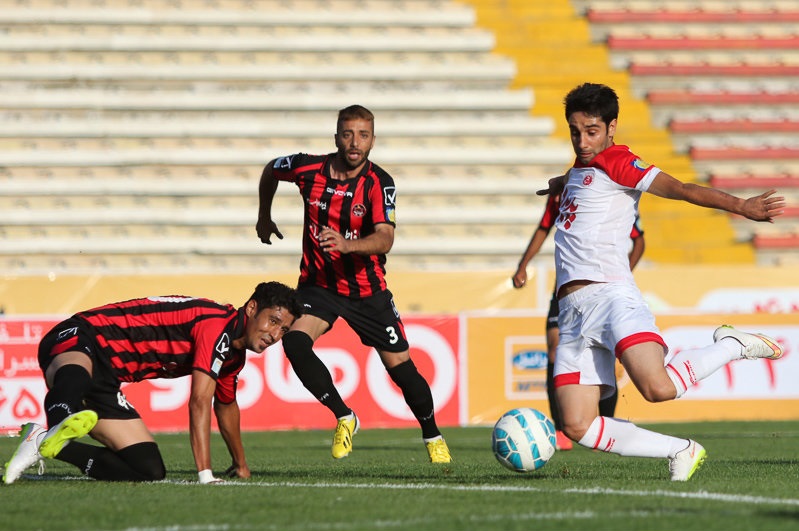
(358, 210)
(321, 205)
(216, 366)
(639, 164)
(339, 193)
(587, 180)
(390, 195)
(390, 215)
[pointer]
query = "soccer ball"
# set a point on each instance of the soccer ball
(523, 439)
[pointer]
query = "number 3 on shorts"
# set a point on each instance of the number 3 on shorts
(392, 335)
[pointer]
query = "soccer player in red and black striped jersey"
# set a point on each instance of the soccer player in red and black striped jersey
(87, 357)
(348, 229)
(607, 406)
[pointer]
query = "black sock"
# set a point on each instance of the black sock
(417, 395)
(607, 406)
(312, 372)
(554, 410)
(137, 462)
(70, 385)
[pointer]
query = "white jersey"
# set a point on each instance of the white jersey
(598, 206)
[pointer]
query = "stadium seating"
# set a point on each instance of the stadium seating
(722, 76)
(135, 131)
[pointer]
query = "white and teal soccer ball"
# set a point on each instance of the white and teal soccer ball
(523, 439)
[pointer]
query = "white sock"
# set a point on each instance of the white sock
(436, 438)
(688, 367)
(620, 437)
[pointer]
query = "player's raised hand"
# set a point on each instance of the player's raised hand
(764, 207)
(265, 228)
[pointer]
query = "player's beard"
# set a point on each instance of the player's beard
(350, 164)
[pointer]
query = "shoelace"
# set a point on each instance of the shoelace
(342, 432)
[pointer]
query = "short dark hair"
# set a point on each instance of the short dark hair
(355, 112)
(274, 294)
(593, 99)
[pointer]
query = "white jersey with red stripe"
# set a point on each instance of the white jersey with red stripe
(598, 206)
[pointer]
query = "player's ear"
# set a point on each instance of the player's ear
(251, 308)
(612, 128)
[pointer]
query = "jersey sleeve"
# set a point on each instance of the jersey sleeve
(637, 230)
(626, 168)
(383, 197)
(227, 383)
(289, 167)
(550, 212)
(212, 344)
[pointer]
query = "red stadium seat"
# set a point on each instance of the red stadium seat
(776, 241)
(721, 97)
(650, 16)
(742, 125)
(703, 43)
(737, 182)
(722, 70)
(744, 153)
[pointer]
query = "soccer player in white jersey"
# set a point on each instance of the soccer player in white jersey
(602, 312)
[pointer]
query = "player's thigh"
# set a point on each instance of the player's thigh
(644, 365)
(66, 358)
(117, 434)
(378, 324)
(311, 325)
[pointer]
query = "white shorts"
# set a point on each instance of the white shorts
(598, 323)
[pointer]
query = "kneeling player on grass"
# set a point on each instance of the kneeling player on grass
(86, 358)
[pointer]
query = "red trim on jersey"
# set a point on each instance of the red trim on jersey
(637, 339)
(570, 378)
(64, 346)
(620, 164)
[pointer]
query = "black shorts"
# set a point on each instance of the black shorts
(552, 316)
(375, 319)
(105, 396)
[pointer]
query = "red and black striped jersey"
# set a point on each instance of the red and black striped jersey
(353, 208)
(169, 337)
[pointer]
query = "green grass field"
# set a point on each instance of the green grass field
(750, 481)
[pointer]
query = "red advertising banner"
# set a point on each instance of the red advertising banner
(269, 394)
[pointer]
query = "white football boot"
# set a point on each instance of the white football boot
(755, 345)
(26, 454)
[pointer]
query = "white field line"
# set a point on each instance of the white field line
(699, 495)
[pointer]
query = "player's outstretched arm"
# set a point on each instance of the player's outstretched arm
(763, 207)
(267, 188)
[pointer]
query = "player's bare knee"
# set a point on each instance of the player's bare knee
(658, 393)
